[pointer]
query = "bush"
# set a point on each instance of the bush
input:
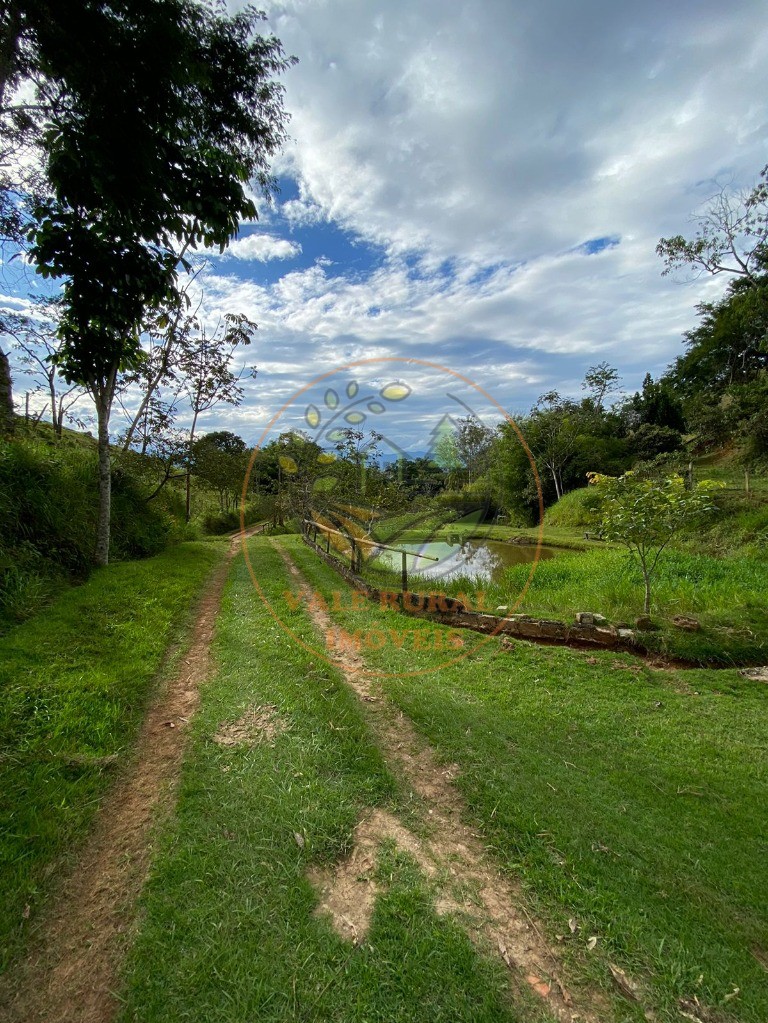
(575, 510)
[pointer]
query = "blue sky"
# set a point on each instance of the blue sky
(483, 185)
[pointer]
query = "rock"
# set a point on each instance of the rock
(503, 607)
(590, 618)
(506, 643)
(626, 635)
(758, 674)
(686, 623)
(644, 623)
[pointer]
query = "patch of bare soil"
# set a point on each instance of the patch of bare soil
(491, 907)
(348, 890)
(256, 725)
(72, 971)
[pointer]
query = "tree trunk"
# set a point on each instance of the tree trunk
(647, 581)
(103, 395)
(192, 429)
(7, 418)
(54, 410)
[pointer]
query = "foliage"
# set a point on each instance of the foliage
(600, 380)
(645, 514)
(219, 459)
(731, 235)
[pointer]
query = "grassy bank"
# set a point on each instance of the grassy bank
(228, 929)
(631, 802)
(74, 682)
(727, 595)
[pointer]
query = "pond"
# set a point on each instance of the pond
(479, 560)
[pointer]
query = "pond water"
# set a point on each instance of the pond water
(479, 560)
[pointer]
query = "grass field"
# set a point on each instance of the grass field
(630, 800)
(75, 681)
(228, 931)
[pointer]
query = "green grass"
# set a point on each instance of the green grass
(727, 595)
(228, 933)
(629, 799)
(74, 683)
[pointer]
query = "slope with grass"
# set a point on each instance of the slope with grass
(629, 801)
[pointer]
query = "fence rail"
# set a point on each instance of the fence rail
(356, 544)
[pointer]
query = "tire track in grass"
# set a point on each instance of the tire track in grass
(490, 906)
(73, 970)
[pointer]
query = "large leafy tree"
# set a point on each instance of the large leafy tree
(150, 149)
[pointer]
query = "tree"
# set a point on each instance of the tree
(204, 367)
(146, 158)
(600, 380)
(552, 431)
(655, 405)
(36, 346)
(473, 444)
(731, 235)
(644, 514)
(220, 460)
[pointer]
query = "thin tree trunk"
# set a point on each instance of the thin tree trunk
(647, 581)
(7, 418)
(54, 418)
(189, 472)
(103, 395)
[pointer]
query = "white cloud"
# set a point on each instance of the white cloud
(261, 247)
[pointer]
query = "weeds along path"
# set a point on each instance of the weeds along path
(72, 971)
(491, 908)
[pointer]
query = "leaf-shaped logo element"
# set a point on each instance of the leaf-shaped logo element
(288, 465)
(331, 398)
(325, 458)
(352, 388)
(395, 392)
(312, 415)
(376, 407)
(355, 418)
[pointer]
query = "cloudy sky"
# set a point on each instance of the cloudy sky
(482, 185)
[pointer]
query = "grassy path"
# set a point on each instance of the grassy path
(286, 797)
(76, 946)
(389, 834)
(470, 887)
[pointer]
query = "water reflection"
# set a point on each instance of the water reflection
(479, 560)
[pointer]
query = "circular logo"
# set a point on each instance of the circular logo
(383, 462)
